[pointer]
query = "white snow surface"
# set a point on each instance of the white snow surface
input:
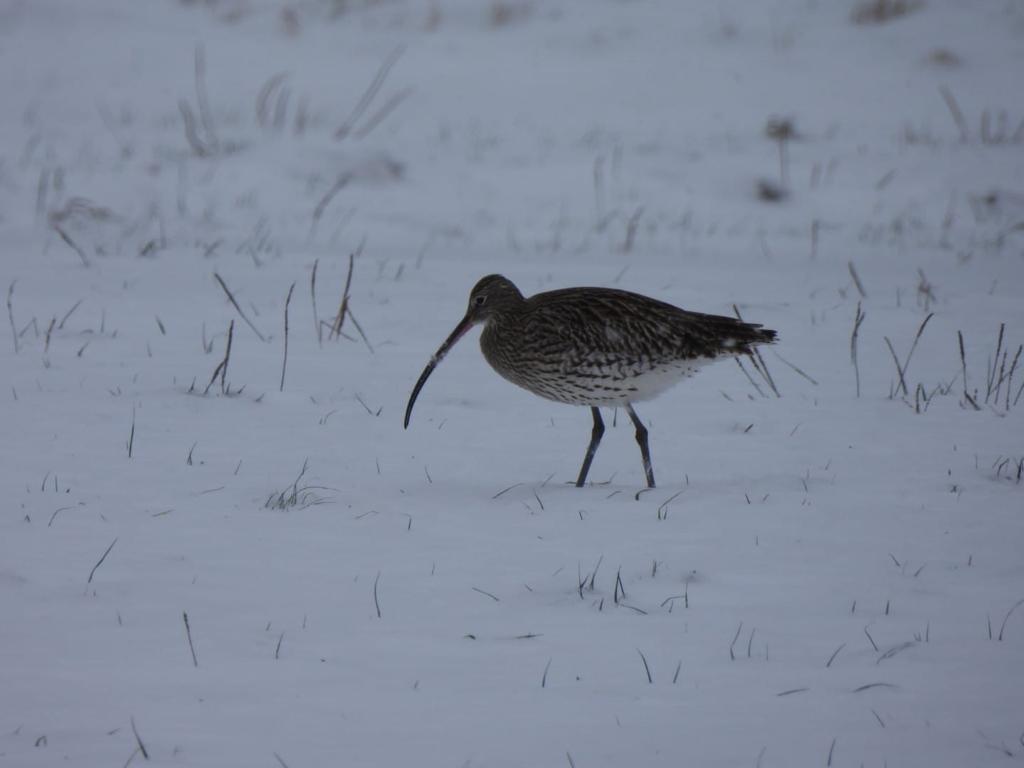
(820, 578)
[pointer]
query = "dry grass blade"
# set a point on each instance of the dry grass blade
(49, 334)
(198, 145)
(71, 243)
(284, 363)
(340, 183)
(749, 377)
(1009, 380)
(107, 552)
(1000, 378)
(955, 111)
(235, 304)
(222, 367)
(359, 329)
(757, 361)
(138, 740)
(493, 597)
(1006, 618)
(781, 130)
(917, 337)
(796, 369)
(42, 188)
(263, 97)
(732, 655)
(60, 325)
(503, 491)
(296, 496)
(762, 368)
(894, 650)
(382, 114)
(833, 656)
(339, 319)
(647, 669)
(899, 371)
(316, 316)
(995, 362)
(870, 638)
(858, 318)
(205, 115)
(369, 94)
(191, 646)
(856, 280)
(869, 686)
(963, 371)
(10, 314)
(131, 435)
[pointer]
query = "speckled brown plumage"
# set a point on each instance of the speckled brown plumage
(595, 347)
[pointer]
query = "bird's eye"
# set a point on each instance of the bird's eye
(479, 300)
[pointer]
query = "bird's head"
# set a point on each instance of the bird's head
(490, 297)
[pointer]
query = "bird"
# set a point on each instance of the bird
(596, 347)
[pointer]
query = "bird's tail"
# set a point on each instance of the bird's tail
(738, 337)
(750, 336)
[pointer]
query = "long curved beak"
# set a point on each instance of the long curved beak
(464, 325)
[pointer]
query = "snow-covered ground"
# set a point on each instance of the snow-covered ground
(820, 578)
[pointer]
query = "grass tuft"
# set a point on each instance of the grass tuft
(297, 495)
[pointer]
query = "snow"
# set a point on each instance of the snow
(820, 577)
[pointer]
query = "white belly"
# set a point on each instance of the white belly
(652, 383)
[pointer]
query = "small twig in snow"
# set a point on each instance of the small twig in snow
(104, 557)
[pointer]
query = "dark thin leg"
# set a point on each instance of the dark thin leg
(595, 438)
(641, 438)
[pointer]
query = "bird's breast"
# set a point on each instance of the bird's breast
(555, 367)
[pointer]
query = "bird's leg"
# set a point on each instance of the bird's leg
(595, 438)
(641, 438)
